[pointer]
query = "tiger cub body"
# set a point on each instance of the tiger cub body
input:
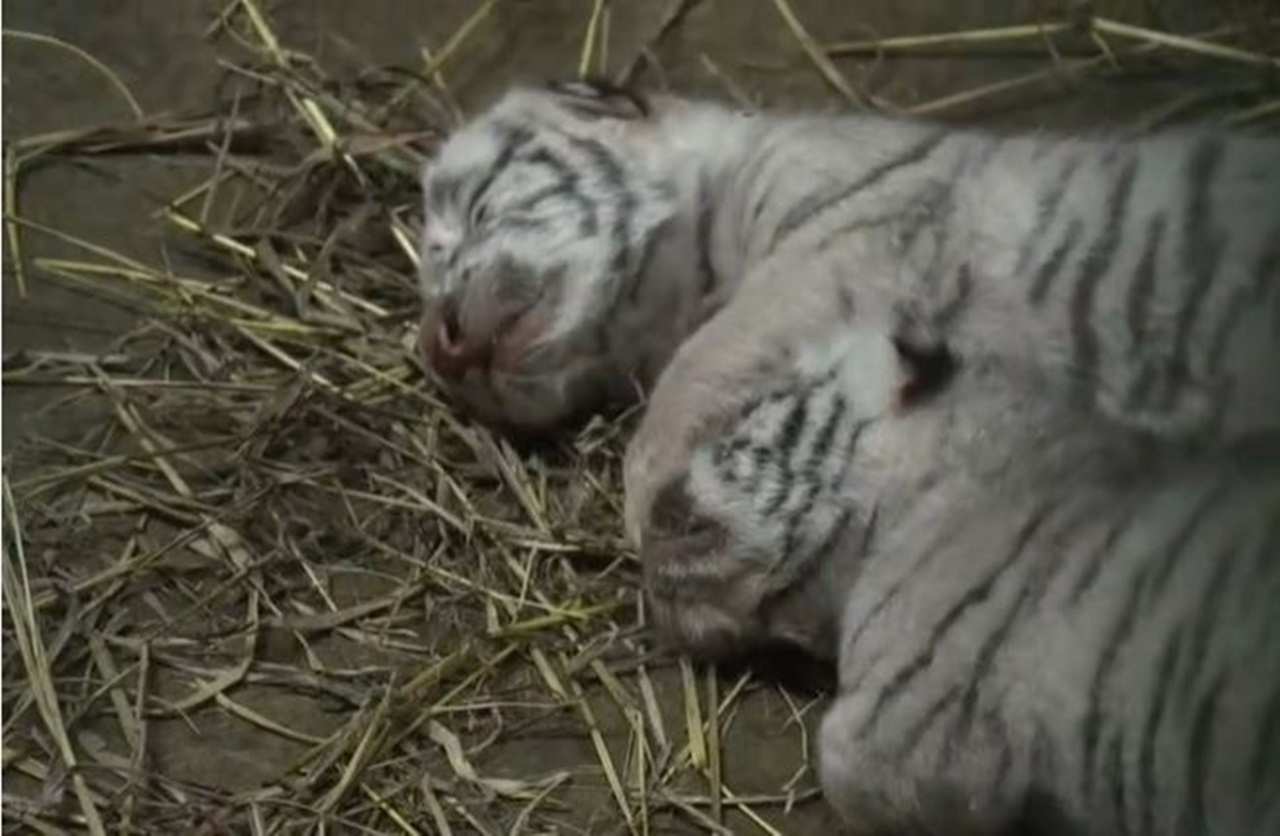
(1031, 608)
(575, 236)
(1027, 593)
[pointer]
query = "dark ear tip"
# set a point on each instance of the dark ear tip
(930, 369)
(597, 92)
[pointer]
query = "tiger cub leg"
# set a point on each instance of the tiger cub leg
(921, 766)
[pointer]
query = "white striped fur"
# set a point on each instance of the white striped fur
(1034, 612)
(1141, 276)
(1025, 600)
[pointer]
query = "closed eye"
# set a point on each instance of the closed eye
(523, 220)
(673, 513)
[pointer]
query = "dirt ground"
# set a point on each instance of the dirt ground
(159, 52)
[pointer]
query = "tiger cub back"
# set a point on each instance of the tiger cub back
(1139, 277)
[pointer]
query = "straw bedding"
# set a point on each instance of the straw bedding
(278, 527)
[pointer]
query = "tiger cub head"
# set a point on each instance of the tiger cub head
(539, 217)
(751, 539)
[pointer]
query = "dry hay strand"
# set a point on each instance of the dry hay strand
(276, 504)
(279, 528)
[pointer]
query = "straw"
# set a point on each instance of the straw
(828, 70)
(99, 67)
(275, 529)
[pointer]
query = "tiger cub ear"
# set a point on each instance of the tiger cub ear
(598, 98)
(927, 368)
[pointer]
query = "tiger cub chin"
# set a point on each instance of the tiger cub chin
(576, 234)
(1031, 609)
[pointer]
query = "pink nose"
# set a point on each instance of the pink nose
(448, 350)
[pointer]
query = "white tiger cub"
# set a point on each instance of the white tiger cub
(1039, 619)
(565, 250)
(575, 235)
